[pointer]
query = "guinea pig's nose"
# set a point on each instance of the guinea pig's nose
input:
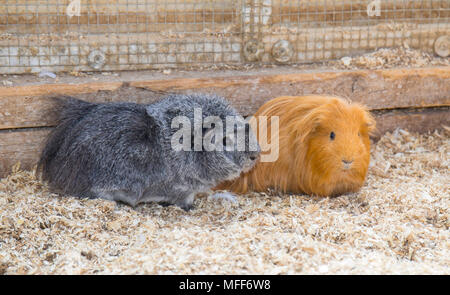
(254, 157)
(347, 163)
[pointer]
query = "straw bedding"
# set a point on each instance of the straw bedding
(397, 224)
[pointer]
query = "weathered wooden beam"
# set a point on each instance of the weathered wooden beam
(24, 145)
(55, 88)
(26, 106)
(417, 120)
(20, 146)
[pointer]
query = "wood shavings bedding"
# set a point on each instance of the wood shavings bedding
(397, 224)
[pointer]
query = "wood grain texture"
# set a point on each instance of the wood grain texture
(20, 146)
(25, 145)
(380, 89)
(421, 120)
(54, 88)
(26, 106)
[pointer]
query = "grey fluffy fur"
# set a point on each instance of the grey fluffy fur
(122, 151)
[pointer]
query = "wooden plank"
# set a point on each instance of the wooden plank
(46, 89)
(420, 120)
(20, 146)
(27, 111)
(30, 104)
(24, 106)
(24, 145)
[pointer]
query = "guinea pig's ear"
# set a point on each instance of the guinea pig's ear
(308, 124)
(154, 113)
(370, 123)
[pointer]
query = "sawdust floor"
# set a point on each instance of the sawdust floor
(397, 224)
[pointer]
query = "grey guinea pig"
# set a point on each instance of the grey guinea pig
(122, 151)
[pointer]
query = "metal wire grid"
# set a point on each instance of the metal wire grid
(115, 36)
(147, 34)
(329, 29)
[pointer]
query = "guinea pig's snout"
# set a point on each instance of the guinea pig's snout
(347, 163)
(252, 158)
(254, 154)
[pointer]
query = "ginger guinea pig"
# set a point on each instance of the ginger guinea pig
(324, 147)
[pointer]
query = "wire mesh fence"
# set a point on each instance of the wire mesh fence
(105, 35)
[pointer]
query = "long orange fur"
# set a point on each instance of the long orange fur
(309, 161)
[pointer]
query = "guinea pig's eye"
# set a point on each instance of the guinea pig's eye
(332, 135)
(359, 134)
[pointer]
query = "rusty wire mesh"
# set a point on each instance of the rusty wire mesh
(106, 35)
